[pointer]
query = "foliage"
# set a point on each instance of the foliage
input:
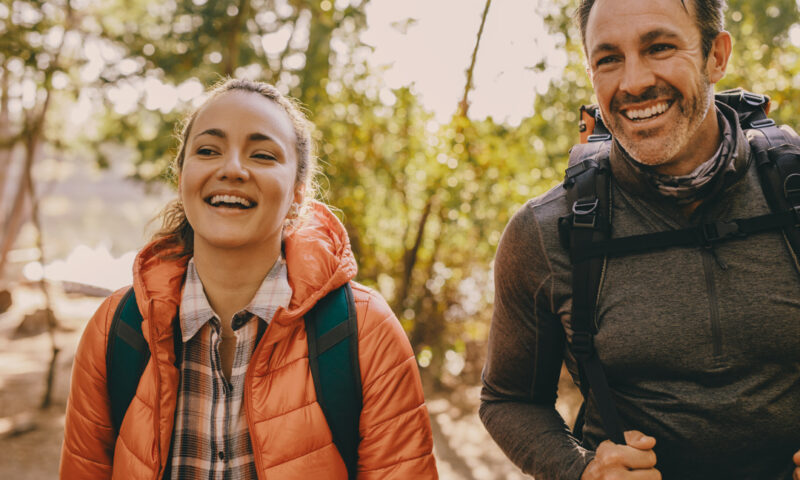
(424, 204)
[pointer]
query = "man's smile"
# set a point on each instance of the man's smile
(646, 113)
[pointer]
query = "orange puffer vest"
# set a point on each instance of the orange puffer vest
(289, 433)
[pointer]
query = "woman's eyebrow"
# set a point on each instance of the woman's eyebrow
(212, 131)
(257, 137)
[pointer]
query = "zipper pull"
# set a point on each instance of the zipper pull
(721, 263)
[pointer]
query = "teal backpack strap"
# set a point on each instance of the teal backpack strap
(332, 333)
(127, 354)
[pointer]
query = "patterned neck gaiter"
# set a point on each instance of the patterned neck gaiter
(685, 189)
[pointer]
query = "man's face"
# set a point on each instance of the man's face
(652, 81)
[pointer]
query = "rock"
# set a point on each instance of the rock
(17, 424)
(35, 323)
(5, 300)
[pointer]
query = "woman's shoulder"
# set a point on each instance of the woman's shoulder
(375, 317)
(370, 304)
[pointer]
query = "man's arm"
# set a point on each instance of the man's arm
(526, 345)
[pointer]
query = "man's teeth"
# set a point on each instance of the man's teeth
(643, 113)
(217, 199)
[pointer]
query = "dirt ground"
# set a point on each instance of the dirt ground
(30, 438)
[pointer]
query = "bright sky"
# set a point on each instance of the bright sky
(435, 51)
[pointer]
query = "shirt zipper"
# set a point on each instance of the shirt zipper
(711, 289)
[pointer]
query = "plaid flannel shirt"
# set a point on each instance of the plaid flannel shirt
(211, 438)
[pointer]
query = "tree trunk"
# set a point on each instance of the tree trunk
(13, 222)
(6, 140)
(235, 34)
(410, 257)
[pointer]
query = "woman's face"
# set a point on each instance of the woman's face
(238, 177)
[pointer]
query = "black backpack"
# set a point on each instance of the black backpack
(586, 231)
(332, 333)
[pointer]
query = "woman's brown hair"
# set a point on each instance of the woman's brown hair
(176, 232)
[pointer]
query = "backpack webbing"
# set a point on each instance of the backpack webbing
(127, 354)
(586, 231)
(332, 335)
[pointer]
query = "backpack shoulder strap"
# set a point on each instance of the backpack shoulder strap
(127, 354)
(332, 333)
(587, 185)
(777, 155)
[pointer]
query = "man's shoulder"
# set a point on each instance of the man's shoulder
(535, 225)
(544, 209)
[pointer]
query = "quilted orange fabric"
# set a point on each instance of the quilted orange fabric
(290, 437)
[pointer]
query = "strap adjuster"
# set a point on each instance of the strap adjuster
(714, 232)
(582, 345)
(762, 123)
(584, 213)
(598, 137)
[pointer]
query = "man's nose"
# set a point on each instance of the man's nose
(637, 77)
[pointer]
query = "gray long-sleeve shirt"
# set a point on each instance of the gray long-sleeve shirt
(701, 347)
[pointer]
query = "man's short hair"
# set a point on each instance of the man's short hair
(709, 17)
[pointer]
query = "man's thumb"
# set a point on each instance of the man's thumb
(637, 439)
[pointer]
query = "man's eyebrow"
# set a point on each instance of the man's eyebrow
(645, 38)
(603, 47)
(215, 132)
(657, 34)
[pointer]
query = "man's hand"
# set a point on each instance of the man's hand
(636, 460)
(796, 458)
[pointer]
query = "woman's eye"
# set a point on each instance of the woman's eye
(205, 151)
(264, 156)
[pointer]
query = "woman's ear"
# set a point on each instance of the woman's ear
(299, 193)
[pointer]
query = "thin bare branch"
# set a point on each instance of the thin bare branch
(463, 106)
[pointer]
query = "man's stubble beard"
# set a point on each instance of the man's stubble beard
(643, 146)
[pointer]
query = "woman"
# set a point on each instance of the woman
(244, 254)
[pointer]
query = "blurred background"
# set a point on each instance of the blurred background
(435, 121)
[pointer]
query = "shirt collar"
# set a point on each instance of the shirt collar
(195, 311)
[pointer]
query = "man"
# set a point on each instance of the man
(700, 345)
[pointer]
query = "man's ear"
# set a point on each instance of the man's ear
(718, 56)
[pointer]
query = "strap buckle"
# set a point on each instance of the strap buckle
(791, 187)
(584, 215)
(753, 99)
(582, 345)
(714, 232)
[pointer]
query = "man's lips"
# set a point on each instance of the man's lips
(646, 112)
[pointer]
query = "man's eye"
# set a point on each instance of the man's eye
(661, 47)
(606, 60)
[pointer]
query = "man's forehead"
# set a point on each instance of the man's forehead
(637, 20)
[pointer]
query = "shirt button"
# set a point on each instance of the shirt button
(221, 455)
